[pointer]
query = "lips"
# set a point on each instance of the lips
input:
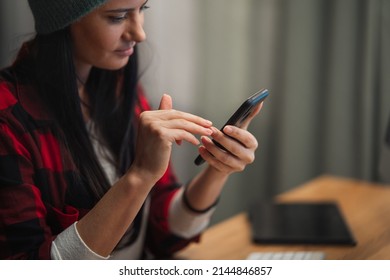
(126, 51)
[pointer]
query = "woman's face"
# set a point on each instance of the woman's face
(106, 37)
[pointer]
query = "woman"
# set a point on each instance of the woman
(85, 170)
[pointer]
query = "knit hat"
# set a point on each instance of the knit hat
(53, 15)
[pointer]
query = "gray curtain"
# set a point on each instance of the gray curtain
(325, 62)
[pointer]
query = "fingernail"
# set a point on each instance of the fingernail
(204, 139)
(228, 129)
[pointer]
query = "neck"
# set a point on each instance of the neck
(82, 72)
(80, 82)
(84, 101)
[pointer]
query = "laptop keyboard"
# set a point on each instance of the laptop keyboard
(291, 255)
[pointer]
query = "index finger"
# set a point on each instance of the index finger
(173, 114)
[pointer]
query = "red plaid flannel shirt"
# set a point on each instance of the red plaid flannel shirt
(38, 196)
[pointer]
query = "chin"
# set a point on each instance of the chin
(115, 64)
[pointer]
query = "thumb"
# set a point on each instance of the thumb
(166, 102)
(248, 120)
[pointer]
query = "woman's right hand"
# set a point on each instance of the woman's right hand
(157, 131)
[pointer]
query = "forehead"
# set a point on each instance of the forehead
(122, 4)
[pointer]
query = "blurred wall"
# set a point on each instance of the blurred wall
(326, 63)
(16, 26)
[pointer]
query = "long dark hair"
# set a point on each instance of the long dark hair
(111, 113)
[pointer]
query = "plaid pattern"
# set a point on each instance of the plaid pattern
(38, 196)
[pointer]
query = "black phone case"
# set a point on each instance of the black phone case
(240, 115)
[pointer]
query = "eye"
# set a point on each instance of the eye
(117, 19)
(144, 7)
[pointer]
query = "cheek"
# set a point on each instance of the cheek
(94, 46)
(94, 41)
(105, 38)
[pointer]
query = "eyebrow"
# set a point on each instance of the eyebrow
(124, 10)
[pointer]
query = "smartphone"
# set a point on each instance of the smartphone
(240, 115)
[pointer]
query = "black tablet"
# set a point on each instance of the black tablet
(299, 223)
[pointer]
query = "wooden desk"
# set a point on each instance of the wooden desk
(366, 208)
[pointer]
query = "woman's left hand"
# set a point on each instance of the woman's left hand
(239, 143)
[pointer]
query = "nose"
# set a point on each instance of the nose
(135, 30)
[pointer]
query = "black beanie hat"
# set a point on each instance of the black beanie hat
(53, 15)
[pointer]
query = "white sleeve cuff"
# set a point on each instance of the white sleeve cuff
(184, 222)
(68, 245)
